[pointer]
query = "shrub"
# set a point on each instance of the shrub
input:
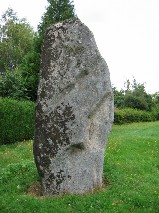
(129, 115)
(11, 85)
(131, 101)
(30, 74)
(16, 120)
(155, 112)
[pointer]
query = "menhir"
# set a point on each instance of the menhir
(74, 111)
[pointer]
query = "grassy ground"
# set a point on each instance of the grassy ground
(131, 168)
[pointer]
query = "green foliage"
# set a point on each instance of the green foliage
(135, 102)
(130, 168)
(155, 111)
(12, 85)
(57, 10)
(155, 98)
(136, 96)
(118, 97)
(16, 120)
(20, 49)
(129, 115)
(16, 39)
(16, 45)
(30, 73)
(133, 96)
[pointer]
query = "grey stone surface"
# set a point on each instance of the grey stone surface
(74, 111)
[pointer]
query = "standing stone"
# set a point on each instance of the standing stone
(74, 111)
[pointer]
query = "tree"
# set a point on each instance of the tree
(156, 97)
(30, 73)
(136, 96)
(11, 85)
(57, 10)
(135, 102)
(118, 97)
(16, 39)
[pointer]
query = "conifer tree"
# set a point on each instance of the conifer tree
(57, 10)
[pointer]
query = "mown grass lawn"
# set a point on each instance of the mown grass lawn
(131, 169)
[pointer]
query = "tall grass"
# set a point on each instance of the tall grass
(131, 170)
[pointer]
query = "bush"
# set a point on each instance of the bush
(30, 74)
(16, 120)
(129, 115)
(131, 101)
(155, 112)
(11, 85)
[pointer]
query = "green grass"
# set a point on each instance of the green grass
(131, 168)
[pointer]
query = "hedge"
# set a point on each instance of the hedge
(129, 115)
(16, 120)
